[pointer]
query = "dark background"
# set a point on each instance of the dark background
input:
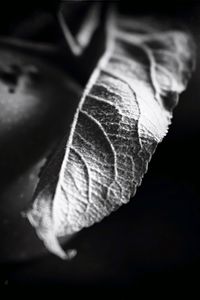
(152, 241)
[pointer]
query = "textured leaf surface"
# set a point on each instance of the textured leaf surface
(124, 113)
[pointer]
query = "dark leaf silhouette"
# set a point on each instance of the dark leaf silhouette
(124, 113)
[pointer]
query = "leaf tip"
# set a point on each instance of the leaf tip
(52, 244)
(49, 238)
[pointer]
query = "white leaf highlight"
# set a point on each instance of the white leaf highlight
(124, 113)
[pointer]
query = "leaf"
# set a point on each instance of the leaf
(77, 43)
(124, 113)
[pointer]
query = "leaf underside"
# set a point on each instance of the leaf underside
(124, 113)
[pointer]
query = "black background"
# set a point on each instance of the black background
(152, 241)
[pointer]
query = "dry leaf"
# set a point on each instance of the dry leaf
(124, 113)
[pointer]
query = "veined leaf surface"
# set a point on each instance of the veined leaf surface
(124, 113)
